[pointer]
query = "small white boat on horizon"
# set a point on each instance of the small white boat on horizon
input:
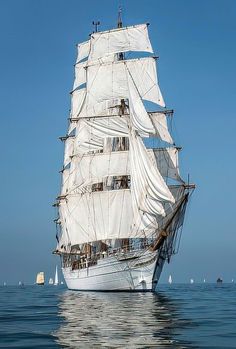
(170, 279)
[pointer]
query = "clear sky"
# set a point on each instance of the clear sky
(196, 44)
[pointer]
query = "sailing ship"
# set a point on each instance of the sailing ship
(170, 279)
(56, 277)
(122, 200)
(50, 281)
(40, 278)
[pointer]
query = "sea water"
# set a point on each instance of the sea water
(178, 316)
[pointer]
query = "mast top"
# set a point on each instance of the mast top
(119, 25)
(119, 22)
(96, 25)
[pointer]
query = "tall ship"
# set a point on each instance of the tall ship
(122, 202)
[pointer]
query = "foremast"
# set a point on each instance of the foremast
(114, 188)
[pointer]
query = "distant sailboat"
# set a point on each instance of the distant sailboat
(191, 281)
(62, 283)
(50, 282)
(170, 279)
(56, 277)
(233, 280)
(4, 284)
(40, 278)
(204, 281)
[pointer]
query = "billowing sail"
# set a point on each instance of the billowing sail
(102, 44)
(99, 166)
(110, 80)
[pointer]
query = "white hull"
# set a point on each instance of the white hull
(111, 274)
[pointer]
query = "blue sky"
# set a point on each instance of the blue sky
(196, 44)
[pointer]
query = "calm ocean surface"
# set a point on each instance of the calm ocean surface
(179, 316)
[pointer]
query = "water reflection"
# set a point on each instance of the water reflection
(119, 320)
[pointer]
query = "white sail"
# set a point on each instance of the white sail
(80, 75)
(69, 146)
(56, 277)
(77, 101)
(159, 121)
(95, 216)
(139, 118)
(109, 81)
(97, 167)
(68, 177)
(83, 50)
(167, 162)
(144, 75)
(133, 38)
(170, 279)
(149, 191)
(92, 132)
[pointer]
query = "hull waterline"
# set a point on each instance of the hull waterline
(111, 274)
